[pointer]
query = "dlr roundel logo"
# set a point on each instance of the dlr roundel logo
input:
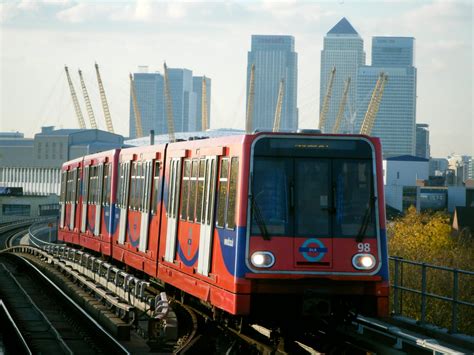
(313, 250)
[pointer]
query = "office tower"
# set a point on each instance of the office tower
(422, 140)
(150, 101)
(274, 58)
(152, 105)
(395, 120)
(197, 88)
(344, 50)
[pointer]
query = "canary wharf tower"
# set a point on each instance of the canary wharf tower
(344, 50)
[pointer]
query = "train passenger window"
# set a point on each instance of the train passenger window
(139, 187)
(73, 185)
(78, 185)
(63, 187)
(147, 186)
(212, 192)
(185, 191)
(234, 173)
(200, 190)
(222, 197)
(120, 185)
(85, 188)
(156, 186)
(91, 184)
(192, 191)
(133, 179)
(106, 185)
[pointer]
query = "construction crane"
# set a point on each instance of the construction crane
(279, 105)
(136, 110)
(249, 118)
(90, 112)
(204, 113)
(342, 106)
(327, 98)
(169, 106)
(77, 108)
(105, 105)
(374, 104)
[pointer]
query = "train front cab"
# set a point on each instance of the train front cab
(70, 201)
(139, 191)
(316, 226)
(97, 202)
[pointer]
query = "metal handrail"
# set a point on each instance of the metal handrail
(454, 300)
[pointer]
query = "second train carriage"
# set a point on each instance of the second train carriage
(248, 222)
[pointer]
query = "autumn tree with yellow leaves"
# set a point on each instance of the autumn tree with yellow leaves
(426, 237)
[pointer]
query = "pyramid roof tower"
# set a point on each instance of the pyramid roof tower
(343, 27)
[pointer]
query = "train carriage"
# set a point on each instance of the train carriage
(140, 179)
(70, 201)
(196, 254)
(98, 199)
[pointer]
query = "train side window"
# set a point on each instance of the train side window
(85, 188)
(119, 185)
(234, 174)
(133, 179)
(139, 187)
(192, 191)
(200, 190)
(73, 185)
(147, 186)
(156, 186)
(106, 186)
(78, 184)
(63, 187)
(91, 184)
(222, 197)
(185, 191)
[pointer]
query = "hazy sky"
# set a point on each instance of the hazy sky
(37, 38)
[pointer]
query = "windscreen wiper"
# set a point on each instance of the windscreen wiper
(365, 220)
(259, 219)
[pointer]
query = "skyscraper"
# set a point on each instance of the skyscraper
(275, 59)
(422, 140)
(344, 50)
(197, 88)
(151, 101)
(395, 120)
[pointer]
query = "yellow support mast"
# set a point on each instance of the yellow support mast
(103, 98)
(204, 113)
(250, 99)
(374, 104)
(169, 106)
(279, 105)
(342, 106)
(90, 112)
(136, 110)
(77, 108)
(326, 100)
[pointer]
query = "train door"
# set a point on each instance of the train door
(123, 201)
(98, 194)
(145, 210)
(72, 217)
(172, 208)
(207, 216)
(85, 197)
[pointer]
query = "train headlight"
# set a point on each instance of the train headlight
(363, 261)
(262, 259)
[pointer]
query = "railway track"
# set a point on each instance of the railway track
(49, 320)
(199, 333)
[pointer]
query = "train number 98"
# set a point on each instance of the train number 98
(363, 247)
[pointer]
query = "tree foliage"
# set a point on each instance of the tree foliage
(427, 238)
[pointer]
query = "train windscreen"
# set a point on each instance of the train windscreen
(312, 187)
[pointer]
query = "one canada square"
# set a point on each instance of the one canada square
(275, 60)
(344, 50)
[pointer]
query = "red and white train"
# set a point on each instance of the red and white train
(245, 223)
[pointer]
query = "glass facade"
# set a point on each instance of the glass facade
(344, 50)
(275, 59)
(396, 118)
(422, 140)
(185, 101)
(197, 88)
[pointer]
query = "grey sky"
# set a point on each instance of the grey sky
(212, 38)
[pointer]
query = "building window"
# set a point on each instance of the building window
(16, 210)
